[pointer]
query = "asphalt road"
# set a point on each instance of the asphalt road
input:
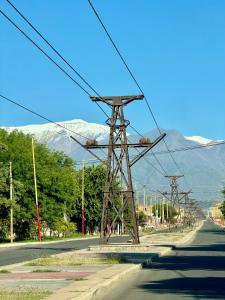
(28, 252)
(195, 271)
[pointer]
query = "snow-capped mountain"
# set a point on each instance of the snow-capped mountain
(204, 168)
(49, 130)
(198, 139)
(57, 135)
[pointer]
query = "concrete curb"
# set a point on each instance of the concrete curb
(190, 236)
(96, 286)
(19, 244)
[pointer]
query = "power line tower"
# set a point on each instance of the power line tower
(186, 203)
(174, 194)
(119, 165)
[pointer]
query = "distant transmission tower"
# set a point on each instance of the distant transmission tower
(174, 194)
(119, 166)
(186, 203)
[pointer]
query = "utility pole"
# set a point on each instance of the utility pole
(174, 190)
(138, 205)
(157, 210)
(162, 212)
(119, 163)
(144, 200)
(186, 214)
(150, 209)
(36, 193)
(173, 196)
(82, 197)
(167, 211)
(11, 202)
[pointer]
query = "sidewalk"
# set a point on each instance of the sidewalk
(85, 274)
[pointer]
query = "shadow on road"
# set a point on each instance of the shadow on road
(200, 258)
(214, 248)
(185, 263)
(201, 288)
(214, 231)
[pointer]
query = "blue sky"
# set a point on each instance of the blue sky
(175, 48)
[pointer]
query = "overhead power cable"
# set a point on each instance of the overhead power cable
(122, 59)
(57, 52)
(69, 130)
(78, 134)
(46, 55)
(68, 64)
(133, 77)
(153, 153)
(41, 116)
(191, 148)
(52, 47)
(49, 58)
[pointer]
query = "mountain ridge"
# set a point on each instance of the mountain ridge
(204, 166)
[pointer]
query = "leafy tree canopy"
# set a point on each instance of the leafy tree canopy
(58, 183)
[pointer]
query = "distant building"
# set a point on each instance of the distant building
(216, 215)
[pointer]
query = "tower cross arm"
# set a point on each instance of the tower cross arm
(92, 153)
(117, 100)
(165, 194)
(184, 194)
(145, 151)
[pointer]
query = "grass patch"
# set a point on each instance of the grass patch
(24, 295)
(44, 271)
(74, 261)
(79, 279)
(148, 230)
(4, 271)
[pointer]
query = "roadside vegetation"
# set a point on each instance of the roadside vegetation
(24, 295)
(59, 184)
(222, 207)
(167, 212)
(4, 271)
(74, 261)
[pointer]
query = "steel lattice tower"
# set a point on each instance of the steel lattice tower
(186, 203)
(174, 194)
(119, 165)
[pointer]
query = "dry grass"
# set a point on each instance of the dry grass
(4, 271)
(73, 261)
(24, 295)
(44, 271)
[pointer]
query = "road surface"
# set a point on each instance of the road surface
(28, 252)
(195, 271)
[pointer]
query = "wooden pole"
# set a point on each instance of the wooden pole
(36, 194)
(82, 197)
(138, 207)
(11, 199)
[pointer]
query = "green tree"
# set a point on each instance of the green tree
(222, 207)
(94, 181)
(64, 228)
(94, 178)
(142, 218)
(159, 208)
(56, 181)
